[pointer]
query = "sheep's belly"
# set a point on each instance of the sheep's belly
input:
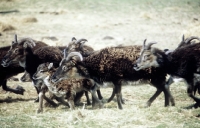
(56, 92)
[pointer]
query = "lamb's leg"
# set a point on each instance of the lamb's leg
(71, 102)
(19, 90)
(40, 109)
(51, 97)
(51, 102)
(62, 100)
(37, 89)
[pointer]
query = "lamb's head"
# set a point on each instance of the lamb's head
(43, 71)
(147, 58)
(17, 52)
(68, 67)
(78, 46)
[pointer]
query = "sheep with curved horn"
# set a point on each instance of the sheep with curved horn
(183, 62)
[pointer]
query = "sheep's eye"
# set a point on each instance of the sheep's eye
(16, 51)
(146, 56)
(64, 68)
(41, 71)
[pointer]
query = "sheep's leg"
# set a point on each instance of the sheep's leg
(118, 94)
(50, 101)
(62, 100)
(156, 94)
(117, 87)
(41, 96)
(112, 95)
(37, 90)
(77, 98)
(88, 98)
(166, 95)
(167, 85)
(170, 97)
(99, 93)
(71, 102)
(190, 94)
(18, 90)
(95, 98)
(169, 82)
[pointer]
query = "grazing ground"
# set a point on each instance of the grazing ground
(103, 23)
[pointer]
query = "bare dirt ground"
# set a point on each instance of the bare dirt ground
(128, 22)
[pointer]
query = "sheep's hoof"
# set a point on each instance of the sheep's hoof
(101, 105)
(20, 90)
(104, 101)
(89, 103)
(36, 100)
(123, 101)
(196, 105)
(47, 104)
(148, 104)
(39, 111)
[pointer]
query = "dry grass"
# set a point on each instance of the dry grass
(6, 27)
(29, 20)
(20, 111)
(128, 22)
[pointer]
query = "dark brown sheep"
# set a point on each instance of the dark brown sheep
(13, 69)
(183, 62)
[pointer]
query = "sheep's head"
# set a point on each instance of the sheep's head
(68, 67)
(147, 57)
(43, 70)
(78, 46)
(17, 52)
(187, 41)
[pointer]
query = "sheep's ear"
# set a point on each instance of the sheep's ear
(50, 66)
(74, 39)
(25, 45)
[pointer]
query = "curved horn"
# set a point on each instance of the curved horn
(16, 38)
(188, 40)
(183, 37)
(148, 46)
(72, 54)
(64, 52)
(182, 42)
(29, 41)
(80, 40)
(74, 39)
(144, 42)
